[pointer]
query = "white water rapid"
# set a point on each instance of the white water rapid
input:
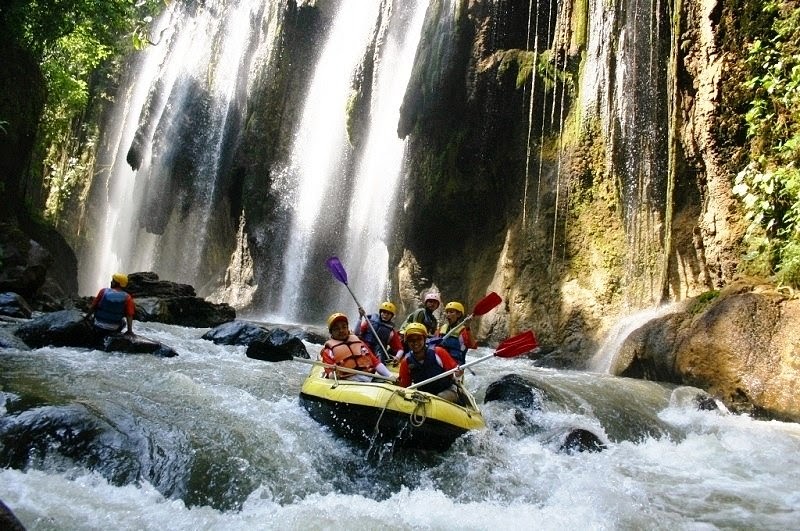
(214, 440)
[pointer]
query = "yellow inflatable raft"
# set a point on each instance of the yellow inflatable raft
(382, 412)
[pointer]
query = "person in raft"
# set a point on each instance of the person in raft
(347, 350)
(460, 339)
(425, 314)
(112, 308)
(384, 328)
(422, 362)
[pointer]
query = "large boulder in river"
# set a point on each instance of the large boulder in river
(174, 303)
(68, 328)
(236, 333)
(279, 345)
(712, 343)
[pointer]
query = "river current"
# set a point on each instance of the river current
(213, 440)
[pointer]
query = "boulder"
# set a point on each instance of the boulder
(168, 302)
(65, 328)
(68, 328)
(8, 520)
(14, 305)
(183, 311)
(133, 344)
(237, 333)
(279, 345)
(516, 390)
(580, 440)
(712, 343)
(147, 284)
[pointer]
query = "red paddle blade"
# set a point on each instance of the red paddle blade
(337, 269)
(487, 303)
(516, 345)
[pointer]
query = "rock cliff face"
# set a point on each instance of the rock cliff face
(563, 207)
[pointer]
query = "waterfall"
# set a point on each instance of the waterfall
(321, 148)
(170, 137)
(623, 87)
(603, 360)
(380, 169)
(171, 145)
(340, 190)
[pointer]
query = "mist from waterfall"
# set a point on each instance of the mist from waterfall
(166, 141)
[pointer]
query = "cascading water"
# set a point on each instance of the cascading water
(180, 124)
(170, 139)
(624, 88)
(316, 178)
(380, 168)
(341, 192)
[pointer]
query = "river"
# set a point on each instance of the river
(213, 440)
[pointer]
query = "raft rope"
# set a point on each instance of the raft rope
(417, 417)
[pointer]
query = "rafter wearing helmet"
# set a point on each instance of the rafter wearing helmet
(426, 314)
(383, 326)
(347, 350)
(457, 336)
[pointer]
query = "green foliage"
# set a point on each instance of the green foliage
(701, 302)
(769, 186)
(74, 40)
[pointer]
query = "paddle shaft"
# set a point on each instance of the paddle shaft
(343, 369)
(369, 323)
(451, 371)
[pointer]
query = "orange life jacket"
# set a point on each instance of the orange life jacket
(351, 353)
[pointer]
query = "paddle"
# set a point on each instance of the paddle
(337, 269)
(487, 303)
(508, 348)
(273, 357)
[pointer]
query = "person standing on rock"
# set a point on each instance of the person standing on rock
(112, 308)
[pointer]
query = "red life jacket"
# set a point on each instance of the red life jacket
(351, 353)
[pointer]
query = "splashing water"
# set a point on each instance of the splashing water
(212, 439)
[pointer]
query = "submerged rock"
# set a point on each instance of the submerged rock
(133, 344)
(516, 390)
(581, 440)
(8, 520)
(236, 333)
